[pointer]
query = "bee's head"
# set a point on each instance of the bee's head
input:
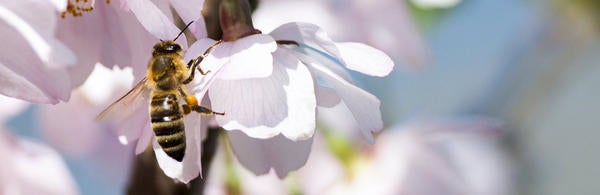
(167, 47)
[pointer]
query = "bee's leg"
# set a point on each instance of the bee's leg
(207, 111)
(193, 63)
(192, 105)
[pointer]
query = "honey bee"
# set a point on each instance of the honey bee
(163, 88)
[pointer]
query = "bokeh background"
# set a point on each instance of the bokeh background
(530, 65)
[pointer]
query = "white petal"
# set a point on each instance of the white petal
(278, 153)
(200, 84)
(248, 57)
(308, 34)
(365, 59)
(190, 167)
(154, 20)
(264, 107)
(363, 105)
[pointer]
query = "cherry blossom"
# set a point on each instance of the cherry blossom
(285, 101)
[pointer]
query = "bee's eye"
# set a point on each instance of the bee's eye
(172, 48)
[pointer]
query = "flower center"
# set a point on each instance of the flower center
(78, 7)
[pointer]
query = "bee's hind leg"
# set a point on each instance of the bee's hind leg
(192, 105)
(207, 111)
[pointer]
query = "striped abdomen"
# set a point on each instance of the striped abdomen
(167, 124)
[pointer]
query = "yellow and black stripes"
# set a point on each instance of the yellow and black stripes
(167, 123)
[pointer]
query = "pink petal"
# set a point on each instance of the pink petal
(28, 68)
(32, 82)
(35, 21)
(190, 167)
(278, 153)
(263, 107)
(365, 59)
(363, 105)
(191, 11)
(248, 57)
(154, 20)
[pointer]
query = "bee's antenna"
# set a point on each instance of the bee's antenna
(186, 26)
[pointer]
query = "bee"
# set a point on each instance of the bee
(163, 88)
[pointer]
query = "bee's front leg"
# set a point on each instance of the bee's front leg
(193, 64)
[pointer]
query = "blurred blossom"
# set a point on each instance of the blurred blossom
(31, 168)
(70, 126)
(227, 176)
(430, 4)
(34, 63)
(444, 156)
(385, 25)
(423, 157)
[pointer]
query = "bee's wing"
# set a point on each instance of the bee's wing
(132, 101)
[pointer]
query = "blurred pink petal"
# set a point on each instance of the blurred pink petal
(108, 35)
(264, 107)
(70, 126)
(277, 153)
(191, 11)
(33, 63)
(154, 20)
(31, 168)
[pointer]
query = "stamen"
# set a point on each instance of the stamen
(76, 8)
